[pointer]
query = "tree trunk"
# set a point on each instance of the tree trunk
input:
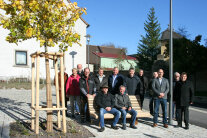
(49, 93)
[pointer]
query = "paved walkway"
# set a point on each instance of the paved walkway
(15, 105)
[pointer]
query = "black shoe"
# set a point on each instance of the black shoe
(133, 126)
(101, 129)
(114, 127)
(77, 113)
(83, 121)
(179, 125)
(186, 127)
(124, 126)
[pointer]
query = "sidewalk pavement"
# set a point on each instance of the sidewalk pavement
(15, 105)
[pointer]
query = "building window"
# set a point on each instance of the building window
(21, 57)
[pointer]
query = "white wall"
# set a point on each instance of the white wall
(7, 55)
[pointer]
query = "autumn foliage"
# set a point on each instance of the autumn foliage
(49, 21)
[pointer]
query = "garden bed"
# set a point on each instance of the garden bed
(23, 130)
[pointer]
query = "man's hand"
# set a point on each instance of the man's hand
(124, 108)
(130, 108)
(87, 95)
(94, 95)
(108, 108)
(191, 102)
(162, 94)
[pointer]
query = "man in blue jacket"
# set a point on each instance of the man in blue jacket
(115, 81)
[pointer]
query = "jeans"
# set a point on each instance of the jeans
(113, 111)
(77, 107)
(163, 103)
(84, 109)
(133, 114)
(74, 99)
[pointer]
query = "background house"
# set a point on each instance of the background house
(108, 57)
(15, 60)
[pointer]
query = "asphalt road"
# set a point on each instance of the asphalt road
(198, 115)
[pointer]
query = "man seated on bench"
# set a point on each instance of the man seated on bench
(105, 101)
(123, 104)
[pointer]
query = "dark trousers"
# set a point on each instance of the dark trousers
(180, 111)
(141, 100)
(84, 110)
(151, 106)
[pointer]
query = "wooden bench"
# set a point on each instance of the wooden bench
(135, 101)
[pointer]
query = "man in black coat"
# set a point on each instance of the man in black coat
(100, 80)
(87, 88)
(80, 70)
(151, 105)
(115, 81)
(183, 97)
(105, 102)
(132, 83)
(144, 87)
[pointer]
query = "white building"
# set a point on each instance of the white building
(15, 61)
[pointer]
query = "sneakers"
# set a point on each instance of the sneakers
(124, 126)
(101, 129)
(133, 126)
(114, 127)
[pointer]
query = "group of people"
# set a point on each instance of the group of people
(183, 93)
(112, 95)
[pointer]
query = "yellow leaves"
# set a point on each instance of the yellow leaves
(19, 7)
(76, 35)
(75, 3)
(29, 32)
(42, 19)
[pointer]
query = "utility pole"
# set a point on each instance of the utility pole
(171, 66)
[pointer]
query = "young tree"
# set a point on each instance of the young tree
(51, 22)
(148, 46)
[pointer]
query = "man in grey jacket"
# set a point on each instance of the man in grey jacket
(160, 87)
(123, 104)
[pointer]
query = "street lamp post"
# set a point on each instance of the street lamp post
(171, 66)
(88, 40)
(73, 53)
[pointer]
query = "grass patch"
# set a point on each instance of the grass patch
(201, 93)
(74, 129)
(18, 128)
(17, 85)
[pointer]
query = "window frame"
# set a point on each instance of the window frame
(16, 51)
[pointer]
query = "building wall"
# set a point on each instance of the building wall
(8, 69)
(110, 63)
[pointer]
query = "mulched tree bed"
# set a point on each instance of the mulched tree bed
(23, 130)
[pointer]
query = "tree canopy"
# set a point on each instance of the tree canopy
(188, 56)
(49, 21)
(148, 46)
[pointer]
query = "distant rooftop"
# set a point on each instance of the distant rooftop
(166, 35)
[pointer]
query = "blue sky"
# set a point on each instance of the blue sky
(121, 22)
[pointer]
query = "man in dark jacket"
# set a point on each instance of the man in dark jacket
(123, 104)
(114, 81)
(87, 88)
(151, 106)
(144, 87)
(132, 83)
(105, 101)
(183, 97)
(100, 80)
(80, 70)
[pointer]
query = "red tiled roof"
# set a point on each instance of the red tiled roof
(108, 55)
